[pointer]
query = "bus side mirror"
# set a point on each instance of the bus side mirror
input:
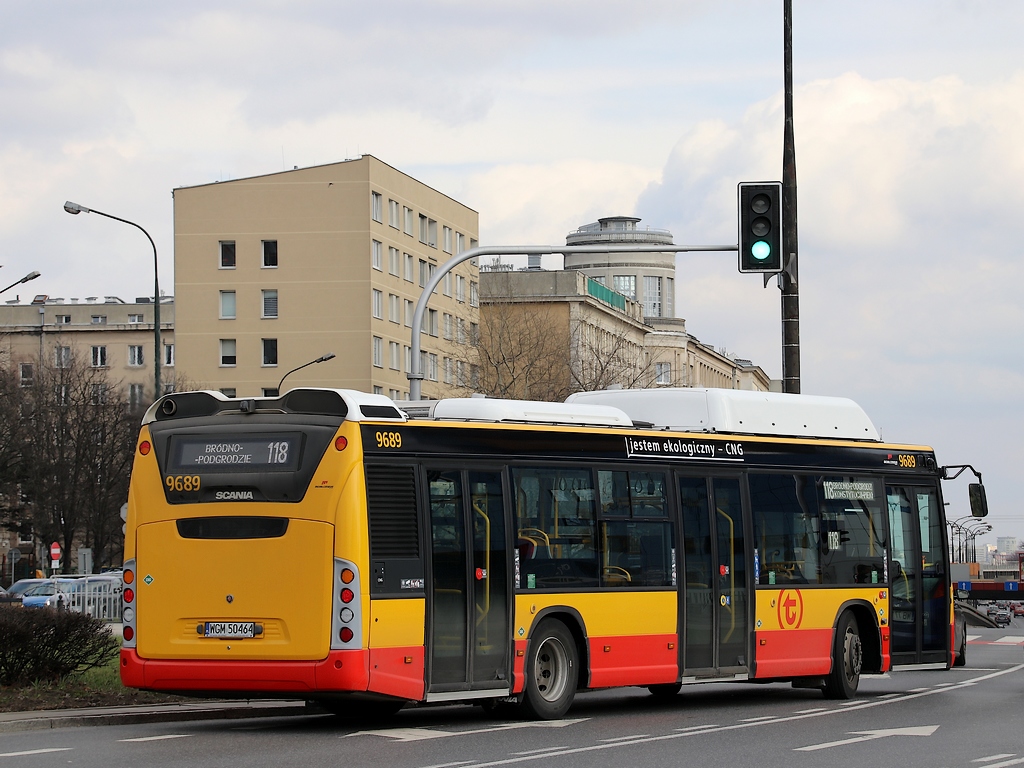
(979, 503)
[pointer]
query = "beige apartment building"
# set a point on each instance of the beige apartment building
(275, 271)
(97, 332)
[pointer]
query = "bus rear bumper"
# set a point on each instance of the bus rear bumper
(340, 671)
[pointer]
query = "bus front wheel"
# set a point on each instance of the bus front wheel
(847, 660)
(551, 671)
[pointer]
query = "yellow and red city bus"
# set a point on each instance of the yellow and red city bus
(326, 545)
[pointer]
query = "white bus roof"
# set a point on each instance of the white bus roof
(517, 411)
(738, 411)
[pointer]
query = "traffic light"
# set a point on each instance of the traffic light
(760, 236)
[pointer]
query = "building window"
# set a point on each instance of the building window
(474, 294)
(378, 389)
(447, 370)
(227, 305)
(410, 308)
(394, 394)
(432, 322)
(447, 239)
(474, 334)
(424, 273)
(271, 392)
(99, 319)
(28, 374)
(663, 373)
(447, 324)
(394, 212)
(135, 357)
(394, 308)
(62, 319)
(432, 367)
(169, 354)
(270, 303)
(62, 357)
(652, 296)
(378, 352)
(99, 394)
(270, 351)
(626, 285)
(377, 206)
(228, 391)
(668, 302)
(428, 231)
(136, 393)
(270, 253)
(99, 357)
(447, 290)
(135, 319)
(394, 262)
(460, 288)
(600, 280)
(460, 331)
(460, 242)
(395, 355)
(408, 220)
(377, 255)
(227, 254)
(377, 303)
(410, 266)
(227, 352)
(408, 359)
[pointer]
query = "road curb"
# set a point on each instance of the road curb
(13, 722)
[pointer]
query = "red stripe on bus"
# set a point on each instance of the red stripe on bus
(633, 660)
(519, 667)
(340, 671)
(398, 672)
(793, 652)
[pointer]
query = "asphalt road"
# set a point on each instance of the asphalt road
(969, 716)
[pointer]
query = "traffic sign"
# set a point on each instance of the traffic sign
(14, 555)
(55, 551)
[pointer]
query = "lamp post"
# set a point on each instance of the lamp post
(30, 276)
(75, 209)
(321, 359)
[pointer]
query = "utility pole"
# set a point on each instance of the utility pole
(789, 283)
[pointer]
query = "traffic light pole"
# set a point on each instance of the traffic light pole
(788, 278)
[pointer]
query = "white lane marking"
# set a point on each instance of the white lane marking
(859, 736)
(1006, 764)
(702, 730)
(811, 711)
(160, 738)
(449, 765)
(35, 752)
(990, 758)
(1008, 640)
(890, 695)
(420, 734)
(538, 751)
(697, 727)
(756, 719)
(626, 738)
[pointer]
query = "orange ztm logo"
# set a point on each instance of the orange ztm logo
(790, 608)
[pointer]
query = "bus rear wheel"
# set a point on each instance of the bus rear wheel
(551, 672)
(847, 660)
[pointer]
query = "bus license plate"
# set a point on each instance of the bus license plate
(230, 629)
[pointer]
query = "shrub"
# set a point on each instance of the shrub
(49, 646)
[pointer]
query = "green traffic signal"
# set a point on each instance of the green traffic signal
(760, 250)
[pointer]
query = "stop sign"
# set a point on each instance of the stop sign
(55, 551)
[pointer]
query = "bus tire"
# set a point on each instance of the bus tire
(961, 656)
(664, 691)
(847, 660)
(551, 672)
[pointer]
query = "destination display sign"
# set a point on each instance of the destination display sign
(279, 451)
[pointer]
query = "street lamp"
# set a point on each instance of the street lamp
(75, 209)
(30, 276)
(321, 359)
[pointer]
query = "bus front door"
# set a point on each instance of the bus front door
(919, 592)
(715, 601)
(467, 631)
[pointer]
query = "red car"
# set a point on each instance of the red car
(1018, 609)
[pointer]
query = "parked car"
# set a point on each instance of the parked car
(18, 588)
(96, 595)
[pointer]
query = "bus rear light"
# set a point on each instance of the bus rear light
(347, 611)
(128, 615)
(345, 635)
(347, 576)
(128, 577)
(128, 633)
(346, 615)
(341, 444)
(128, 595)
(145, 447)
(347, 595)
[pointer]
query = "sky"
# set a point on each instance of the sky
(544, 116)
